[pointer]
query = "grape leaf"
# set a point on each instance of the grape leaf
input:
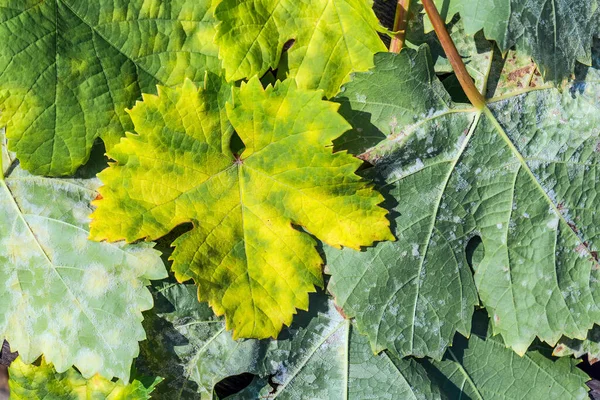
(589, 346)
(475, 50)
(494, 72)
(321, 356)
(331, 39)
(68, 70)
(519, 175)
(248, 260)
(555, 33)
(407, 296)
(189, 346)
(36, 382)
(515, 72)
(483, 368)
(76, 301)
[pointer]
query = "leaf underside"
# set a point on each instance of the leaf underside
(520, 176)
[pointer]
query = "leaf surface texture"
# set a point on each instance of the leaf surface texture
(245, 252)
(331, 39)
(520, 176)
(69, 69)
(76, 301)
(37, 382)
(555, 33)
(189, 346)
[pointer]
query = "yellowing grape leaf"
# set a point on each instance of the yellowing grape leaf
(245, 253)
(68, 69)
(76, 301)
(37, 382)
(331, 39)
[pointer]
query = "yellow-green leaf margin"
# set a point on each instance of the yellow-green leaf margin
(37, 382)
(247, 251)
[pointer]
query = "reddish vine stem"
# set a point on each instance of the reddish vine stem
(400, 20)
(455, 59)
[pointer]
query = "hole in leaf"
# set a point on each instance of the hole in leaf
(236, 145)
(7, 356)
(96, 163)
(287, 45)
(592, 369)
(233, 384)
(474, 251)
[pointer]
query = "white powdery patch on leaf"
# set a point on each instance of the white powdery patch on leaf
(76, 301)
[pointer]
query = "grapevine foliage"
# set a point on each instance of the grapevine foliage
(520, 183)
(338, 221)
(249, 261)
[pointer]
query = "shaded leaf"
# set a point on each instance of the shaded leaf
(321, 356)
(475, 51)
(589, 346)
(555, 33)
(521, 176)
(257, 389)
(68, 70)
(331, 39)
(37, 382)
(189, 346)
(79, 302)
(494, 72)
(245, 254)
(483, 368)
(410, 296)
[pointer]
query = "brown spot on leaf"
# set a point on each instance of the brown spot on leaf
(517, 74)
(573, 227)
(339, 309)
(559, 349)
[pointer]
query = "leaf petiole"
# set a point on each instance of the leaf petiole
(465, 80)
(400, 22)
